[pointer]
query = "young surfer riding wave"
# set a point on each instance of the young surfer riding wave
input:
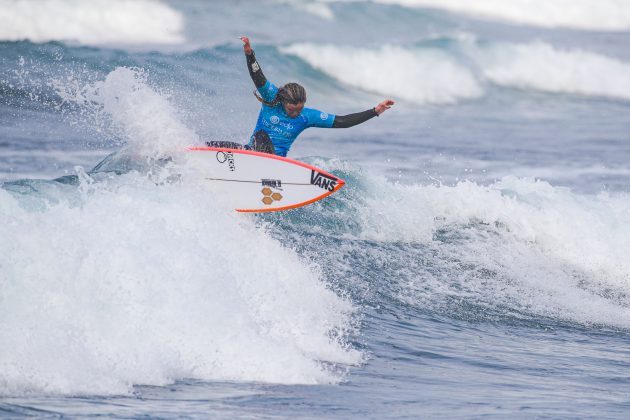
(283, 115)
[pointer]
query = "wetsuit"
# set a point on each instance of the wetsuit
(276, 126)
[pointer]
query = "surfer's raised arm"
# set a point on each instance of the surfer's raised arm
(350, 120)
(252, 65)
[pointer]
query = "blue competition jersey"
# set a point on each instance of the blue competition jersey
(283, 129)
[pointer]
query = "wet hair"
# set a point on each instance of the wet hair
(291, 93)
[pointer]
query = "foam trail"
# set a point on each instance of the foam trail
(608, 15)
(421, 76)
(98, 22)
(542, 67)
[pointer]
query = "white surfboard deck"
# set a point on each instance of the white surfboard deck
(260, 182)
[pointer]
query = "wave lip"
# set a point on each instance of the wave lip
(421, 76)
(608, 15)
(98, 22)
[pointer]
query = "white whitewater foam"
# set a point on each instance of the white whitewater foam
(553, 252)
(612, 15)
(421, 76)
(97, 22)
(133, 283)
(542, 67)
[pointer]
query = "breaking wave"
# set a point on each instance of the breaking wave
(604, 15)
(98, 22)
(422, 76)
(427, 75)
(131, 275)
(542, 67)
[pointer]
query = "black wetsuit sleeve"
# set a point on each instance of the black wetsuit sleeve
(345, 121)
(255, 71)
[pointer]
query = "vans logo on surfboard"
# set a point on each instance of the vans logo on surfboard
(323, 181)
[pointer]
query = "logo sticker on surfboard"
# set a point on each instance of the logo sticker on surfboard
(323, 181)
(270, 196)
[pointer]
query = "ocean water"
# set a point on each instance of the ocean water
(476, 264)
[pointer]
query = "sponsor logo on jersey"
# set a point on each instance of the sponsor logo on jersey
(228, 157)
(323, 116)
(274, 119)
(255, 67)
(323, 181)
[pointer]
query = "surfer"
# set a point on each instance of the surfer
(283, 115)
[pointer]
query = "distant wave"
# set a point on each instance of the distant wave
(427, 75)
(422, 76)
(542, 67)
(321, 10)
(611, 15)
(97, 22)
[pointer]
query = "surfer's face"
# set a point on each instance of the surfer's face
(293, 110)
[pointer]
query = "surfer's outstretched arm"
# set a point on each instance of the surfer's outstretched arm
(345, 121)
(252, 65)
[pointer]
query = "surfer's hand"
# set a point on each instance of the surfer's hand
(384, 106)
(246, 47)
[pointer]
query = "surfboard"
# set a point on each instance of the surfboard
(261, 182)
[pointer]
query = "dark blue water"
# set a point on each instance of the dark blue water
(474, 265)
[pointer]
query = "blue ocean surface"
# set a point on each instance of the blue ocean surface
(475, 264)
